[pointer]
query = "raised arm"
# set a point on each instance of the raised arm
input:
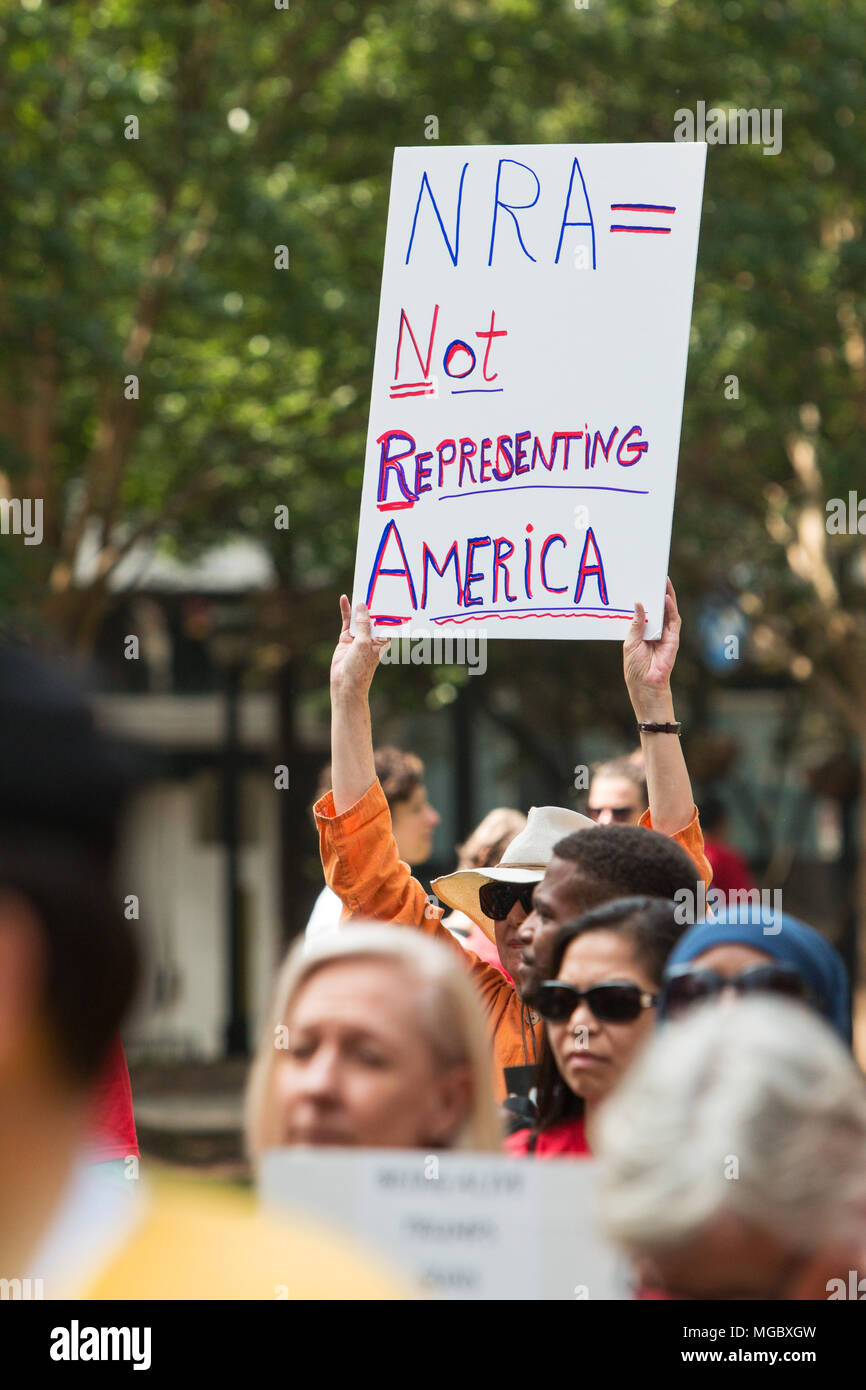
(353, 667)
(359, 853)
(647, 667)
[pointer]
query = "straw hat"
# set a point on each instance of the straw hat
(524, 861)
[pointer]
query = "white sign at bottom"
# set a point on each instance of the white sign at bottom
(465, 1226)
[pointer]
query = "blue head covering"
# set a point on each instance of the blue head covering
(785, 939)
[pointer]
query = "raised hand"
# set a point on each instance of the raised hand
(355, 658)
(647, 666)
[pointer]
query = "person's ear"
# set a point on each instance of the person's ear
(22, 973)
(451, 1096)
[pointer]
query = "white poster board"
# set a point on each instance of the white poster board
(527, 389)
(464, 1226)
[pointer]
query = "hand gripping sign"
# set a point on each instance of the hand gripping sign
(528, 388)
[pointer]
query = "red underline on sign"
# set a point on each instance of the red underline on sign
(521, 614)
(548, 487)
(401, 395)
(658, 231)
(641, 207)
(390, 619)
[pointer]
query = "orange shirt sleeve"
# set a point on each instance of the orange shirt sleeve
(363, 867)
(691, 838)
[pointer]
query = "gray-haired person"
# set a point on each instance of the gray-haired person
(734, 1158)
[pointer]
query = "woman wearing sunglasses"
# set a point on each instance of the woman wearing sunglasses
(740, 953)
(599, 1012)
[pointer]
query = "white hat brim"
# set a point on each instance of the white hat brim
(460, 890)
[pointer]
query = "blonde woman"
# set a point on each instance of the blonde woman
(375, 1040)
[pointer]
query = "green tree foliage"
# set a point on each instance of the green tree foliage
(260, 127)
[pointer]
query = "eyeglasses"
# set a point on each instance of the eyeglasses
(497, 899)
(613, 1002)
(621, 814)
(687, 986)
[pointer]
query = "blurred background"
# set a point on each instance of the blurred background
(166, 390)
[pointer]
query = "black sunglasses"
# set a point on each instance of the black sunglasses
(620, 814)
(687, 986)
(613, 1002)
(497, 899)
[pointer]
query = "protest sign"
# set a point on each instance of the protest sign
(464, 1226)
(527, 388)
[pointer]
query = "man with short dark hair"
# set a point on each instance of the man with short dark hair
(615, 861)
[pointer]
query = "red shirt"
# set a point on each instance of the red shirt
(111, 1132)
(560, 1141)
(730, 870)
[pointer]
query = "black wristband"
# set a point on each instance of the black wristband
(651, 728)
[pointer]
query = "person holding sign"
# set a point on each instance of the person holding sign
(533, 895)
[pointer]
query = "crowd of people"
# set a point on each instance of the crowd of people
(553, 1003)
